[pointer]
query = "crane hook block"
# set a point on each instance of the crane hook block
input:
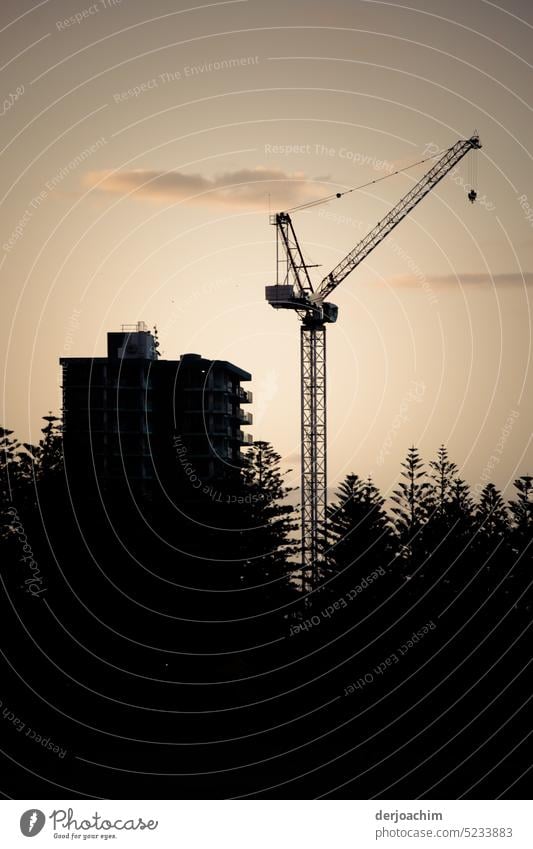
(472, 195)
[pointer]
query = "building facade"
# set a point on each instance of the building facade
(132, 416)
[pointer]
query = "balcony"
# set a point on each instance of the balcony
(243, 438)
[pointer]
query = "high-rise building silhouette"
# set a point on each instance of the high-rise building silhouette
(132, 416)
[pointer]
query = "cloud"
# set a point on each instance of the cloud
(448, 281)
(247, 188)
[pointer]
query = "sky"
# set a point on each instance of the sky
(144, 146)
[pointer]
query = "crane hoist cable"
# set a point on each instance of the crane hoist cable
(472, 177)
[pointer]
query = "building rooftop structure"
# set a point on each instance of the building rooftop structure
(131, 415)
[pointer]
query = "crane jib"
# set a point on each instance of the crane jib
(294, 289)
(435, 174)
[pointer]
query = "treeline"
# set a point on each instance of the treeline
(432, 522)
(162, 630)
(431, 515)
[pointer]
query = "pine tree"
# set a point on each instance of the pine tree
(451, 518)
(16, 471)
(268, 528)
(414, 501)
(521, 543)
(9, 478)
(359, 535)
(449, 531)
(460, 514)
(43, 462)
(522, 511)
(492, 517)
(491, 543)
(461, 502)
(51, 447)
(443, 474)
(8, 464)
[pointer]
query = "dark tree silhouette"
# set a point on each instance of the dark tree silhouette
(414, 501)
(8, 464)
(50, 454)
(268, 529)
(449, 531)
(443, 474)
(521, 508)
(359, 536)
(521, 538)
(461, 507)
(141, 614)
(492, 516)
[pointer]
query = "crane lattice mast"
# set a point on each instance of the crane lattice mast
(294, 290)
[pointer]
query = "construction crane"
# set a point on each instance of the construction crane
(294, 290)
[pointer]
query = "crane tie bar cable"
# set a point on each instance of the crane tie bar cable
(326, 199)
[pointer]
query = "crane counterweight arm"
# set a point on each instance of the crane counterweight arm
(444, 165)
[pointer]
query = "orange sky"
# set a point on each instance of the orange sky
(141, 144)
